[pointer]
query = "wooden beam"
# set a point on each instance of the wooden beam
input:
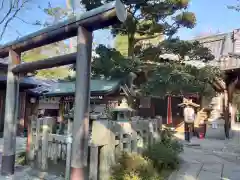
(45, 63)
(98, 18)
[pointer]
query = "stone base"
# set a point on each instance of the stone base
(215, 130)
(8, 165)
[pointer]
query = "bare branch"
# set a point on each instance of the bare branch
(8, 13)
(24, 21)
(12, 17)
(18, 32)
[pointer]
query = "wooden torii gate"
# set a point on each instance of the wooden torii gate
(81, 26)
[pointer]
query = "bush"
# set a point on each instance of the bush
(162, 156)
(165, 154)
(169, 141)
(21, 158)
(134, 167)
(156, 163)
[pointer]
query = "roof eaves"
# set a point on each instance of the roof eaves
(115, 88)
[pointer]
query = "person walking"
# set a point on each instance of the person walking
(189, 117)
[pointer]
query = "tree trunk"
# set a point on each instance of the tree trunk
(131, 31)
(131, 44)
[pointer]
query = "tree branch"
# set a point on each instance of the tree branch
(11, 18)
(15, 30)
(8, 13)
(146, 37)
(26, 21)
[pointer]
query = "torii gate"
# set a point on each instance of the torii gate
(81, 26)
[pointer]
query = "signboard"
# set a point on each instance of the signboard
(49, 100)
(71, 98)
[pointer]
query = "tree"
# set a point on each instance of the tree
(164, 75)
(111, 63)
(10, 10)
(54, 15)
(235, 7)
(53, 73)
(176, 76)
(150, 19)
(185, 50)
(179, 79)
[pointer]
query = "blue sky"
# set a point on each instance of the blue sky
(212, 16)
(32, 13)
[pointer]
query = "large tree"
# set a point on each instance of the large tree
(180, 79)
(110, 63)
(150, 19)
(145, 37)
(165, 75)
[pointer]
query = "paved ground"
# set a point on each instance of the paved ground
(209, 160)
(202, 160)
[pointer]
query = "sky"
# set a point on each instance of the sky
(32, 12)
(212, 16)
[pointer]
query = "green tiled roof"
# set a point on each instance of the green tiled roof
(97, 86)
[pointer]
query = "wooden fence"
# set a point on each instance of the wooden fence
(107, 139)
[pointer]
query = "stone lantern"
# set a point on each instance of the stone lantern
(122, 112)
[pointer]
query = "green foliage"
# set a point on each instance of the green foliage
(177, 78)
(53, 73)
(186, 19)
(163, 157)
(164, 154)
(111, 63)
(121, 44)
(150, 19)
(174, 77)
(192, 50)
(21, 158)
(156, 163)
(168, 140)
(134, 167)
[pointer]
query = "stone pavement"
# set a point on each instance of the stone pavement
(205, 159)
